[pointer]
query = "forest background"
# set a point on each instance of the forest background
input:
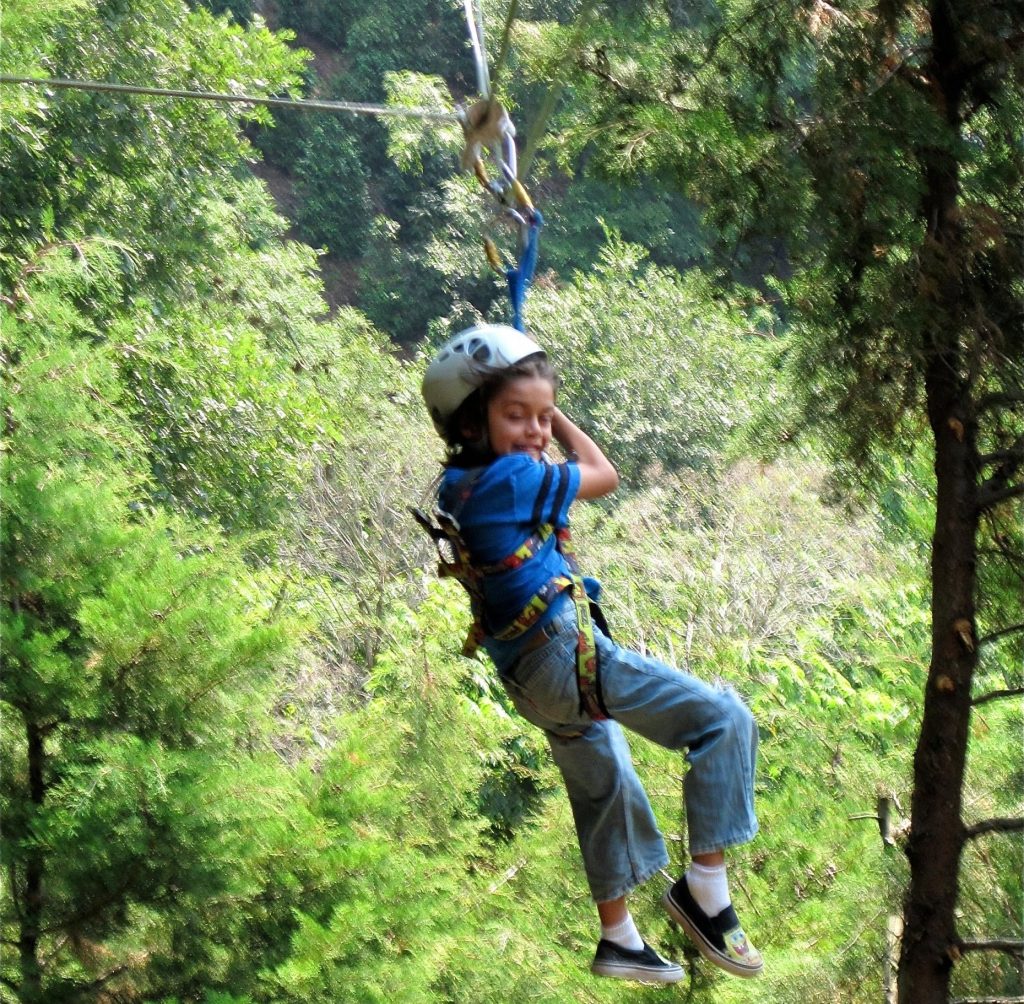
(243, 759)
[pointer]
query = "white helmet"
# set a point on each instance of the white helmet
(451, 377)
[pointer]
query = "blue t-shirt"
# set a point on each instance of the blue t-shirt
(507, 501)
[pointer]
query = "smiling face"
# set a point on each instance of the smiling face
(519, 416)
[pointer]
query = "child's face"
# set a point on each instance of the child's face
(519, 417)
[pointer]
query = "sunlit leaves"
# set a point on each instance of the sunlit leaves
(140, 164)
(657, 368)
(137, 653)
(408, 136)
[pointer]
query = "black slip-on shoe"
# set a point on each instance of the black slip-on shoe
(719, 939)
(645, 965)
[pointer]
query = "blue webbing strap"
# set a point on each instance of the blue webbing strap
(519, 278)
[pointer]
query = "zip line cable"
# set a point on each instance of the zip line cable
(353, 107)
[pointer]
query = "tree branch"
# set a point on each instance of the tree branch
(1007, 945)
(734, 32)
(987, 1000)
(12, 877)
(1005, 399)
(95, 908)
(1013, 455)
(1009, 462)
(600, 69)
(1003, 539)
(1014, 562)
(1009, 459)
(992, 636)
(726, 32)
(1006, 824)
(995, 695)
(915, 78)
(100, 981)
(989, 497)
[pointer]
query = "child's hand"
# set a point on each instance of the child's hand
(597, 475)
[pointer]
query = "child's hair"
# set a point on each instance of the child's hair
(467, 450)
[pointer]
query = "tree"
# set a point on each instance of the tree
(879, 143)
(138, 651)
(168, 377)
(133, 169)
(657, 366)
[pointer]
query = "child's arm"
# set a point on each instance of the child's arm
(597, 476)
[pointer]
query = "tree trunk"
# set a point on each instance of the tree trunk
(937, 832)
(32, 900)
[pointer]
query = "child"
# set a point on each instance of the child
(491, 395)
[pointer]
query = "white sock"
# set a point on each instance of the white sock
(624, 934)
(709, 887)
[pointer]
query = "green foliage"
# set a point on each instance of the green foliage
(660, 221)
(397, 788)
(231, 391)
(814, 617)
(426, 36)
(241, 10)
(411, 139)
(670, 398)
(28, 26)
(325, 19)
(510, 795)
(784, 124)
(400, 292)
(222, 387)
(887, 170)
(214, 321)
(990, 898)
(245, 781)
(140, 165)
(357, 548)
(335, 211)
(137, 655)
(422, 260)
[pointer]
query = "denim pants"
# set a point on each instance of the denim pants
(618, 835)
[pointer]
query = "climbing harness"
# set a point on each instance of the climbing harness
(455, 562)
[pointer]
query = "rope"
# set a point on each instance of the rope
(354, 107)
(520, 277)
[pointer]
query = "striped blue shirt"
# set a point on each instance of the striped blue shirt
(507, 501)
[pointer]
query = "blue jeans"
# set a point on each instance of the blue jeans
(618, 835)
